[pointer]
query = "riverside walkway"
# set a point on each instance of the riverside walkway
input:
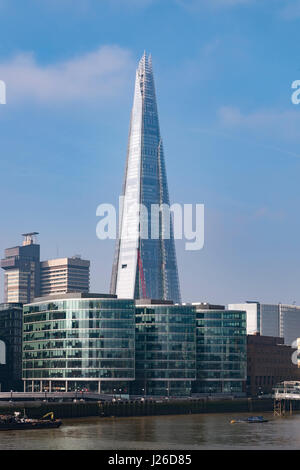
(56, 396)
(289, 390)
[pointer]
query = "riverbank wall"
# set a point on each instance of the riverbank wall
(138, 408)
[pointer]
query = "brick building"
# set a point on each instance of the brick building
(269, 361)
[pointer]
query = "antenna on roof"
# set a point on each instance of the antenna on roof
(29, 238)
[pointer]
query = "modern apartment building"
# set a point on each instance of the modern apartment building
(221, 350)
(277, 320)
(145, 264)
(165, 351)
(79, 342)
(22, 271)
(97, 342)
(63, 275)
(26, 278)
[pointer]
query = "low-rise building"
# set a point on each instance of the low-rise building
(11, 347)
(269, 362)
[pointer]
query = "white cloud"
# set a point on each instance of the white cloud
(291, 10)
(193, 4)
(87, 5)
(286, 9)
(97, 75)
(273, 123)
(135, 3)
(266, 212)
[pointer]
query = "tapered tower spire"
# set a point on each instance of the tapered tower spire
(145, 267)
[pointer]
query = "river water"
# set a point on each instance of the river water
(186, 432)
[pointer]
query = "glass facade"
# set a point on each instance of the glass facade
(145, 265)
(221, 345)
(165, 350)
(79, 342)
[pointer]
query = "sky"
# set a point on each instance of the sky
(223, 71)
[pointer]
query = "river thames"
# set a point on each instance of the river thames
(187, 432)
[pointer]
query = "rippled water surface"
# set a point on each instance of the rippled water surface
(210, 431)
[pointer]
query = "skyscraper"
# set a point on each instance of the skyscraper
(145, 266)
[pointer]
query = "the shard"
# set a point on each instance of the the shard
(145, 266)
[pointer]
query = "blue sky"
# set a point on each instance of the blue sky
(223, 69)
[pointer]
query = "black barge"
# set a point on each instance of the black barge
(16, 422)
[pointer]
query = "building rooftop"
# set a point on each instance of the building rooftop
(73, 295)
(207, 306)
(258, 339)
(145, 302)
(10, 305)
(75, 261)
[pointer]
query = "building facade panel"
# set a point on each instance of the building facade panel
(79, 339)
(165, 349)
(21, 267)
(276, 320)
(63, 275)
(269, 362)
(11, 346)
(221, 351)
(289, 327)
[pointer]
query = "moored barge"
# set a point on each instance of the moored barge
(16, 422)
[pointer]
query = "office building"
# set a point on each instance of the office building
(269, 362)
(277, 320)
(145, 265)
(79, 341)
(22, 271)
(289, 323)
(165, 355)
(11, 347)
(221, 350)
(65, 275)
(26, 278)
